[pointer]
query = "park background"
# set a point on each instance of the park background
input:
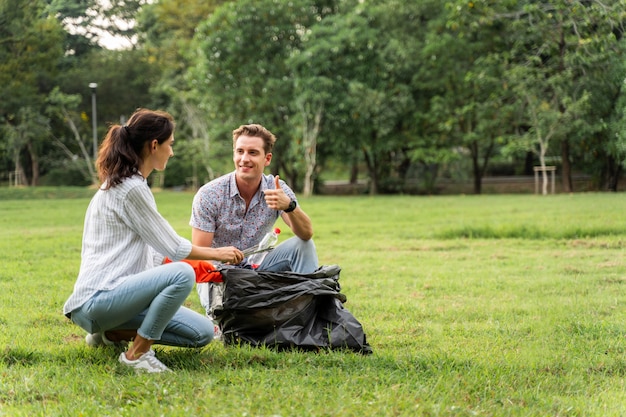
(506, 304)
(412, 97)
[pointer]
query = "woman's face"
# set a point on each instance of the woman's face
(162, 152)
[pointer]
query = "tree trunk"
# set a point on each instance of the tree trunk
(477, 170)
(542, 164)
(613, 172)
(19, 176)
(373, 185)
(309, 139)
(566, 168)
(354, 171)
(89, 163)
(34, 164)
(371, 169)
(477, 175)
(480, 167)
(307, 190)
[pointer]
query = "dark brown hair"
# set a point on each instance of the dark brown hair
(120, 154)
(256, 131)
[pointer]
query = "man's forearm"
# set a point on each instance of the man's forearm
(299, 223)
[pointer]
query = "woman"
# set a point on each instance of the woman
(124, 291)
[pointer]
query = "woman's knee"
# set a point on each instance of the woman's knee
(184, 273)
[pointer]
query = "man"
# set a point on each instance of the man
(240, 208)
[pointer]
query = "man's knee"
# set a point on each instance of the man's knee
(304, 245)
(206, 335)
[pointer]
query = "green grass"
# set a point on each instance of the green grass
(499, 305)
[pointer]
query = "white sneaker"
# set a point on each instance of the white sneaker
(99, 339)
(146, 362)
(94, 340)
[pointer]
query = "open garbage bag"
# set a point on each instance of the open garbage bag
(287, 310)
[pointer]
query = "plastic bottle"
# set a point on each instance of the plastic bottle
(268, 241)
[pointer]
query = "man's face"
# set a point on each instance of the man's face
(250, 158)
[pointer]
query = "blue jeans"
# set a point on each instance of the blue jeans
(151, 303)
(294, 254)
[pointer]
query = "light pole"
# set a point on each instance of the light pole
(94, 121)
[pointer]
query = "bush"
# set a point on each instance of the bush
(177, 173)
(69, 176)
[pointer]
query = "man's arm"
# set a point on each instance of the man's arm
(299, 222)
(201, 238)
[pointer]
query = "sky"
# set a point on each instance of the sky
(106, 40)
(114, 42)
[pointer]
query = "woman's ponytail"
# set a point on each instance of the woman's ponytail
(120, 154)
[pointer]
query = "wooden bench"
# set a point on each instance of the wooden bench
(550, 169)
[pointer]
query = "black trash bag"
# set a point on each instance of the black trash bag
(287, 310)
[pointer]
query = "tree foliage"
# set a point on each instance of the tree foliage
(29, 56)
(401, 93)
(242, 75)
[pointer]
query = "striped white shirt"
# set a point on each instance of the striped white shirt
(124, 234)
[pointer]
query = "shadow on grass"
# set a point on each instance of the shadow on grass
(213, 356)
(427, 366)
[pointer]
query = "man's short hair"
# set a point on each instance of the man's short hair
(256, 131)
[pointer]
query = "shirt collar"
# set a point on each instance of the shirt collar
(234, 190)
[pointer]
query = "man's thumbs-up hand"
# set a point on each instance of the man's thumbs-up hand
(276, 198)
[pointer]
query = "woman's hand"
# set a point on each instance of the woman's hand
(229, 255)
(226, 254)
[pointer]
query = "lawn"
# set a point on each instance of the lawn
(494, 305)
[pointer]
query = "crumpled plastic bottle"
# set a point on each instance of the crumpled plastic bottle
(265, 245)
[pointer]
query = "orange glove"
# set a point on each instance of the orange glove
(205, 271)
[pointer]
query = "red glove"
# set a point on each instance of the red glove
(205, 271)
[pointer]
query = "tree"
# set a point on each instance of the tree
(616, 149)
(311, 113)
(167, 29)
(29, 54)
(26, 132)
(550, 115)
(559, 49)
(347, 57)
(472, 105)
(64, 107)
(241, 75)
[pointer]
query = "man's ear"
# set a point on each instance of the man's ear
(268, 158)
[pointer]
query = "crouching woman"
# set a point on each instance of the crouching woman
(124, 292)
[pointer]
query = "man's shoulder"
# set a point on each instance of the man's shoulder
(213, 191)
